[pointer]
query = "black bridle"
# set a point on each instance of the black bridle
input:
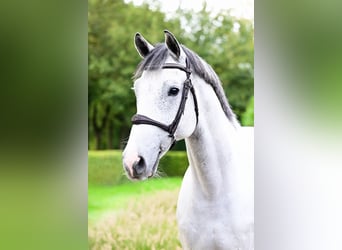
(138, 119)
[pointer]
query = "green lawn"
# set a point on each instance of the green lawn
(103, 199)
(127, 215)
(134, 215)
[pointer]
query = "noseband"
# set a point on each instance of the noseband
(138, 119)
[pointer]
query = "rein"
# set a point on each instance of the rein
(138, 119)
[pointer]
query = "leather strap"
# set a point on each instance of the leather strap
(138, 119)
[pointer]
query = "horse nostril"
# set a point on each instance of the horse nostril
(139, 167)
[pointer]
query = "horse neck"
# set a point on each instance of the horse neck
(211, 147)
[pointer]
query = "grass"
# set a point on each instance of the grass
(136, 215)
(102, 199)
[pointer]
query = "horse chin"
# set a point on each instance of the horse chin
(154, 168)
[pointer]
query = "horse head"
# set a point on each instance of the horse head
(165, 110)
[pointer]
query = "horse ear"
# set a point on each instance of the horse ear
(172, 44)
(143, 47)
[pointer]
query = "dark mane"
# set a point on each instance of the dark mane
(157, 58)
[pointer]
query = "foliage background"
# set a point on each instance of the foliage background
(224, 41)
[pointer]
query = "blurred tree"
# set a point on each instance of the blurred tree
(226, 43)
(248, 116)
(112, 61)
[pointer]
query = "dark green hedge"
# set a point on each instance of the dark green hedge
(105, 167)
(174, 163)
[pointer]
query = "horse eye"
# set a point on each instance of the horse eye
(173, 91)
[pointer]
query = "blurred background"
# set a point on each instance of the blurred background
(141, 215)
(225, 41)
